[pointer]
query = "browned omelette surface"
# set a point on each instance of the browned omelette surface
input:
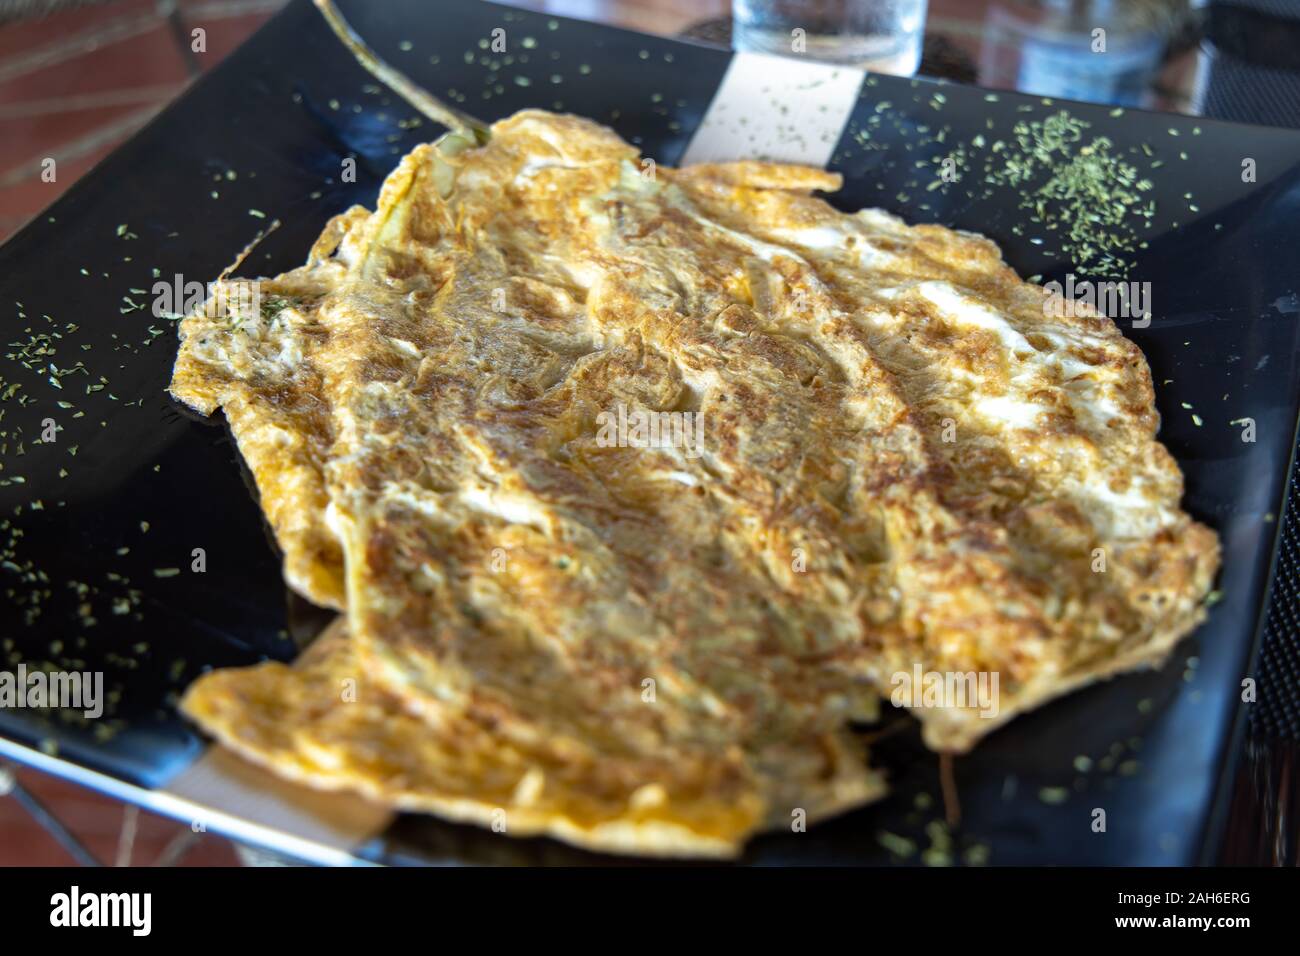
(902, 455)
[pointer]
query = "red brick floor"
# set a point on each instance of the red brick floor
(99, 824)
(76, 84)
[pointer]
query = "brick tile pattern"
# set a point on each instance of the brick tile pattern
(97, 822)
(76, 84)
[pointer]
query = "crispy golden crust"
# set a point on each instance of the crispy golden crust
(323, 723)
(261, 370)
(906, 456)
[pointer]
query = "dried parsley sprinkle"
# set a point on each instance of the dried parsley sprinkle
(940, 850)
(1091, 195)
(897, 845)
(977, 854)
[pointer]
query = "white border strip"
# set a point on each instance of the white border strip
(776, 108)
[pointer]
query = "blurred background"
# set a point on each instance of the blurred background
(78, 77)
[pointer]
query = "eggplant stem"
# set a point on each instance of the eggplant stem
(417, 96)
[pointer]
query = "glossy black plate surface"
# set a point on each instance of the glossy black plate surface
(89, 534)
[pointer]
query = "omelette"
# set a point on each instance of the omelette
(638, 488)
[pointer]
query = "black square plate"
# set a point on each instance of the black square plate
(99, 527)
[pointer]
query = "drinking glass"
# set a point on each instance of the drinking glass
(879, 35)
